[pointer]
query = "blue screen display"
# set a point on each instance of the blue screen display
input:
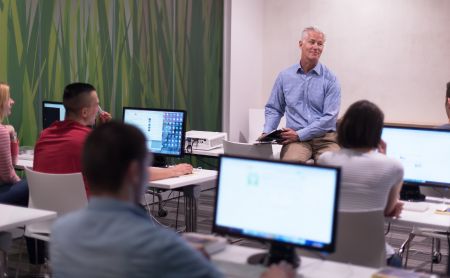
(164, 129)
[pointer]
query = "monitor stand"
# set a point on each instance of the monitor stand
(159, 161)
(411, 192)
(277, 253)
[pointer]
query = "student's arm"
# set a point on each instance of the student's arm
(157, 173)
(394, 206)
(7, 173)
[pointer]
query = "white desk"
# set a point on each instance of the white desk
(12, 216)
(218, 151)
(425, 219)
(189, 185)
(199, 176)
(24, 160)
(233, 263)
(422, 221)
(213, 153)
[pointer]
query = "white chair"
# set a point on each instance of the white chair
(62, 193)
(249, 150)
(360, 238)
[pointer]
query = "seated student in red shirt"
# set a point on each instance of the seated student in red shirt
(58, 149)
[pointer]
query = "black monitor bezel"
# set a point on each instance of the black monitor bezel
(183, 131)
(43, 106)
(329, 248)
(426, 183)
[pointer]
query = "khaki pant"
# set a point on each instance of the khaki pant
(302, 151)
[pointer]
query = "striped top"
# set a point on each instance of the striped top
(7, 173)
(366, 179)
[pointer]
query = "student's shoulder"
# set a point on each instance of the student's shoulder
(328, 157)
(65, 224)
(4, 133)
(392, 165)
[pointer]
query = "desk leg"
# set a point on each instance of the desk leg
(191, 196)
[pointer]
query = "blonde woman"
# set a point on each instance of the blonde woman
(13, 190)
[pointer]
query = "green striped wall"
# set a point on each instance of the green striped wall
(146, 53)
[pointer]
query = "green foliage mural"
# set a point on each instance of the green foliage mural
(145, 53)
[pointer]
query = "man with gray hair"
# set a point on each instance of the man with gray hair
(309, 95)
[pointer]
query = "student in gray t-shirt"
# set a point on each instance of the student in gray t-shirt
(370, 180)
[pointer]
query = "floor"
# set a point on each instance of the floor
(419, 258)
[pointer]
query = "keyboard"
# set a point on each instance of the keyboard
(415, 206)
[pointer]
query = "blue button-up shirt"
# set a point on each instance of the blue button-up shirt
(111, 238)
(310, 100)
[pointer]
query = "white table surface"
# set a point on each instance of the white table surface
(199, 176)
(214, 152)
(13, 216)
(233, 263)
(24, 160)
(428, 218)
(218, 151)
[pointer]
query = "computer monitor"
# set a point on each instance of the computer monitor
(424, 153)
(285, 204)
(164, 129)
(52, 111)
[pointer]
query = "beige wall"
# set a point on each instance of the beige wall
(394, 53)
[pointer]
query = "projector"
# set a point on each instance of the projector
(205, 140)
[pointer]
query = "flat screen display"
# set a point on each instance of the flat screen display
(52, 111)
(281, 202)
(424, 153)
(164, 129)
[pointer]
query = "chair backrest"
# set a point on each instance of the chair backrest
(62, 193)
(360, 238)
(249, 150)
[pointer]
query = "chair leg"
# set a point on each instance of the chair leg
(3, 264)
(432, 252)
(437, 256)
(23, 246)
(405, 247)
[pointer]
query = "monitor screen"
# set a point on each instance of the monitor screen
(51, 112)
(164, 129)
(424, 153)
(280, 202)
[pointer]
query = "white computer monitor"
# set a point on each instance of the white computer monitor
(285, 204)
(424, 153)
(52, 111)
(164, 128)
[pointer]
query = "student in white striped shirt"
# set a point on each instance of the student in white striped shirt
(13, 190)
(370, 179)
